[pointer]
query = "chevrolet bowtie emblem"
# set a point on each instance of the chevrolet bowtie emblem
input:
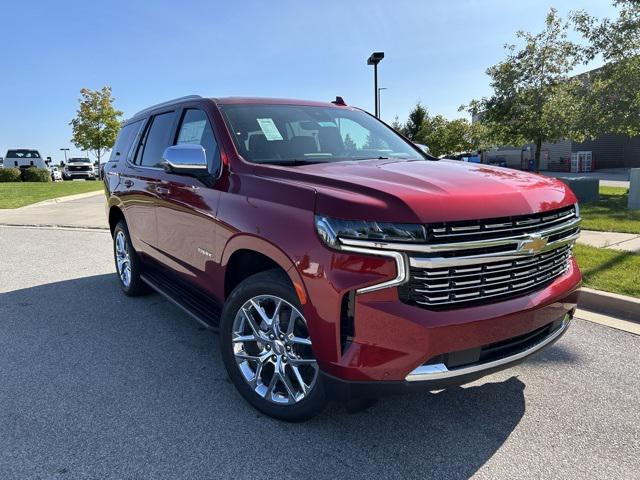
(534, 244)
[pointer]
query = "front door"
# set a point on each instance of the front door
(187, 208)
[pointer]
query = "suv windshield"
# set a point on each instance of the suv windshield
(301, 134)
(82, 160)
(23, 154)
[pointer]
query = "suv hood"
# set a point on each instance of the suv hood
(424, 191)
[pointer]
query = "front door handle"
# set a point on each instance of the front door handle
(128, 183)
(162, 191)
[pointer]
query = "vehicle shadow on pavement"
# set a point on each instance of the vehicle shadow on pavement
(101, 385)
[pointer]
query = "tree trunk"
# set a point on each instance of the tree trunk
(536, 162)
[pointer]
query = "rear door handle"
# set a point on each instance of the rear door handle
(128, 183)
(162, 191)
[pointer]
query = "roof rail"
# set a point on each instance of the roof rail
(168, 102)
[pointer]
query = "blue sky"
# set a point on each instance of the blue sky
(435, 51)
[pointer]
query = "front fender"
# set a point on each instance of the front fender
(270, 250)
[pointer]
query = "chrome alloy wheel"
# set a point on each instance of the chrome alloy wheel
(123, 260)
(272, 349)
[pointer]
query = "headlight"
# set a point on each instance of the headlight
(331, 229)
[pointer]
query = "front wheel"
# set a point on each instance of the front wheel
(267, 350)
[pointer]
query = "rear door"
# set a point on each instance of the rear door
(187, 207)
(140, 180)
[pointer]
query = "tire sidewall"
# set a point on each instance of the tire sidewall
(266, 283)
(136, 285)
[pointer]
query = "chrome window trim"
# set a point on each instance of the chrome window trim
(439, 371)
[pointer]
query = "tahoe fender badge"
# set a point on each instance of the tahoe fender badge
(204, 252)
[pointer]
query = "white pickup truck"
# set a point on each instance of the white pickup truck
(24, 158)
(79, 168)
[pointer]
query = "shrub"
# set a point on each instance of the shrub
(33, 174)
(10, 175)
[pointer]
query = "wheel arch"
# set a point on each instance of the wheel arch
(115, 215)
(246, 255)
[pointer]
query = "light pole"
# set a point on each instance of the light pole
(379, 104)
(65, 150)
(374, 60)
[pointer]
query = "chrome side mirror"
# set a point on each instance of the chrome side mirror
(186, 159)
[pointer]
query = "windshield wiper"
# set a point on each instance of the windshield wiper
(371, 158)
(293, 162)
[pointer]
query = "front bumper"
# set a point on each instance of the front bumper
(79, 175)
(390, 339)
(437, 376)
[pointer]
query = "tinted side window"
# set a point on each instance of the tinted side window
(125, 139)
(195, 128)
(157, 139)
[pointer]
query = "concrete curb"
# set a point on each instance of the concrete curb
(613, 304)
(93, 228)
(66, 198)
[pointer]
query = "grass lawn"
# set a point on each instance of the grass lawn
(19, 194)
(610, 213)
(609, 270)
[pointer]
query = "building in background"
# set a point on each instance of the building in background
(608, 151)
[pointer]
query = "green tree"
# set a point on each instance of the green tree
(533, 99)
(97, 122)
(611, 94)
(418, 117)
(433, 133)
(480, 136)
(446, 137)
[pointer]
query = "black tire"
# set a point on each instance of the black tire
(136, 286)
(272, 282)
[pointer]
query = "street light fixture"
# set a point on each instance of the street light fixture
(374, 60)
(379, 104)
(65, 150)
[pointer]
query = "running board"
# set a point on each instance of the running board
(204, 310)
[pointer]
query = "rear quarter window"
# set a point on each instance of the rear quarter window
(125, 140)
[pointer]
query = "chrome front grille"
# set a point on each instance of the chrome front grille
(497, 227)
(478, 261)
(453, 286)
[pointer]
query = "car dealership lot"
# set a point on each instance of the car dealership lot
(95, 384)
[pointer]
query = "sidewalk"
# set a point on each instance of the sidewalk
(609, 177)
(77, 211)
(629, 242)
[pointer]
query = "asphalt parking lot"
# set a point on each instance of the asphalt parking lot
(97, 385)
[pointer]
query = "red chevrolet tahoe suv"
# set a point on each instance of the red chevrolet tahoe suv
(336, 259)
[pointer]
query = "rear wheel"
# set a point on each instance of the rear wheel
(128, 264)
(267, 350)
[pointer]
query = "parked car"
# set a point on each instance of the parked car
(56, 174)
(24, 158)
(77, 167)
(337, 270)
